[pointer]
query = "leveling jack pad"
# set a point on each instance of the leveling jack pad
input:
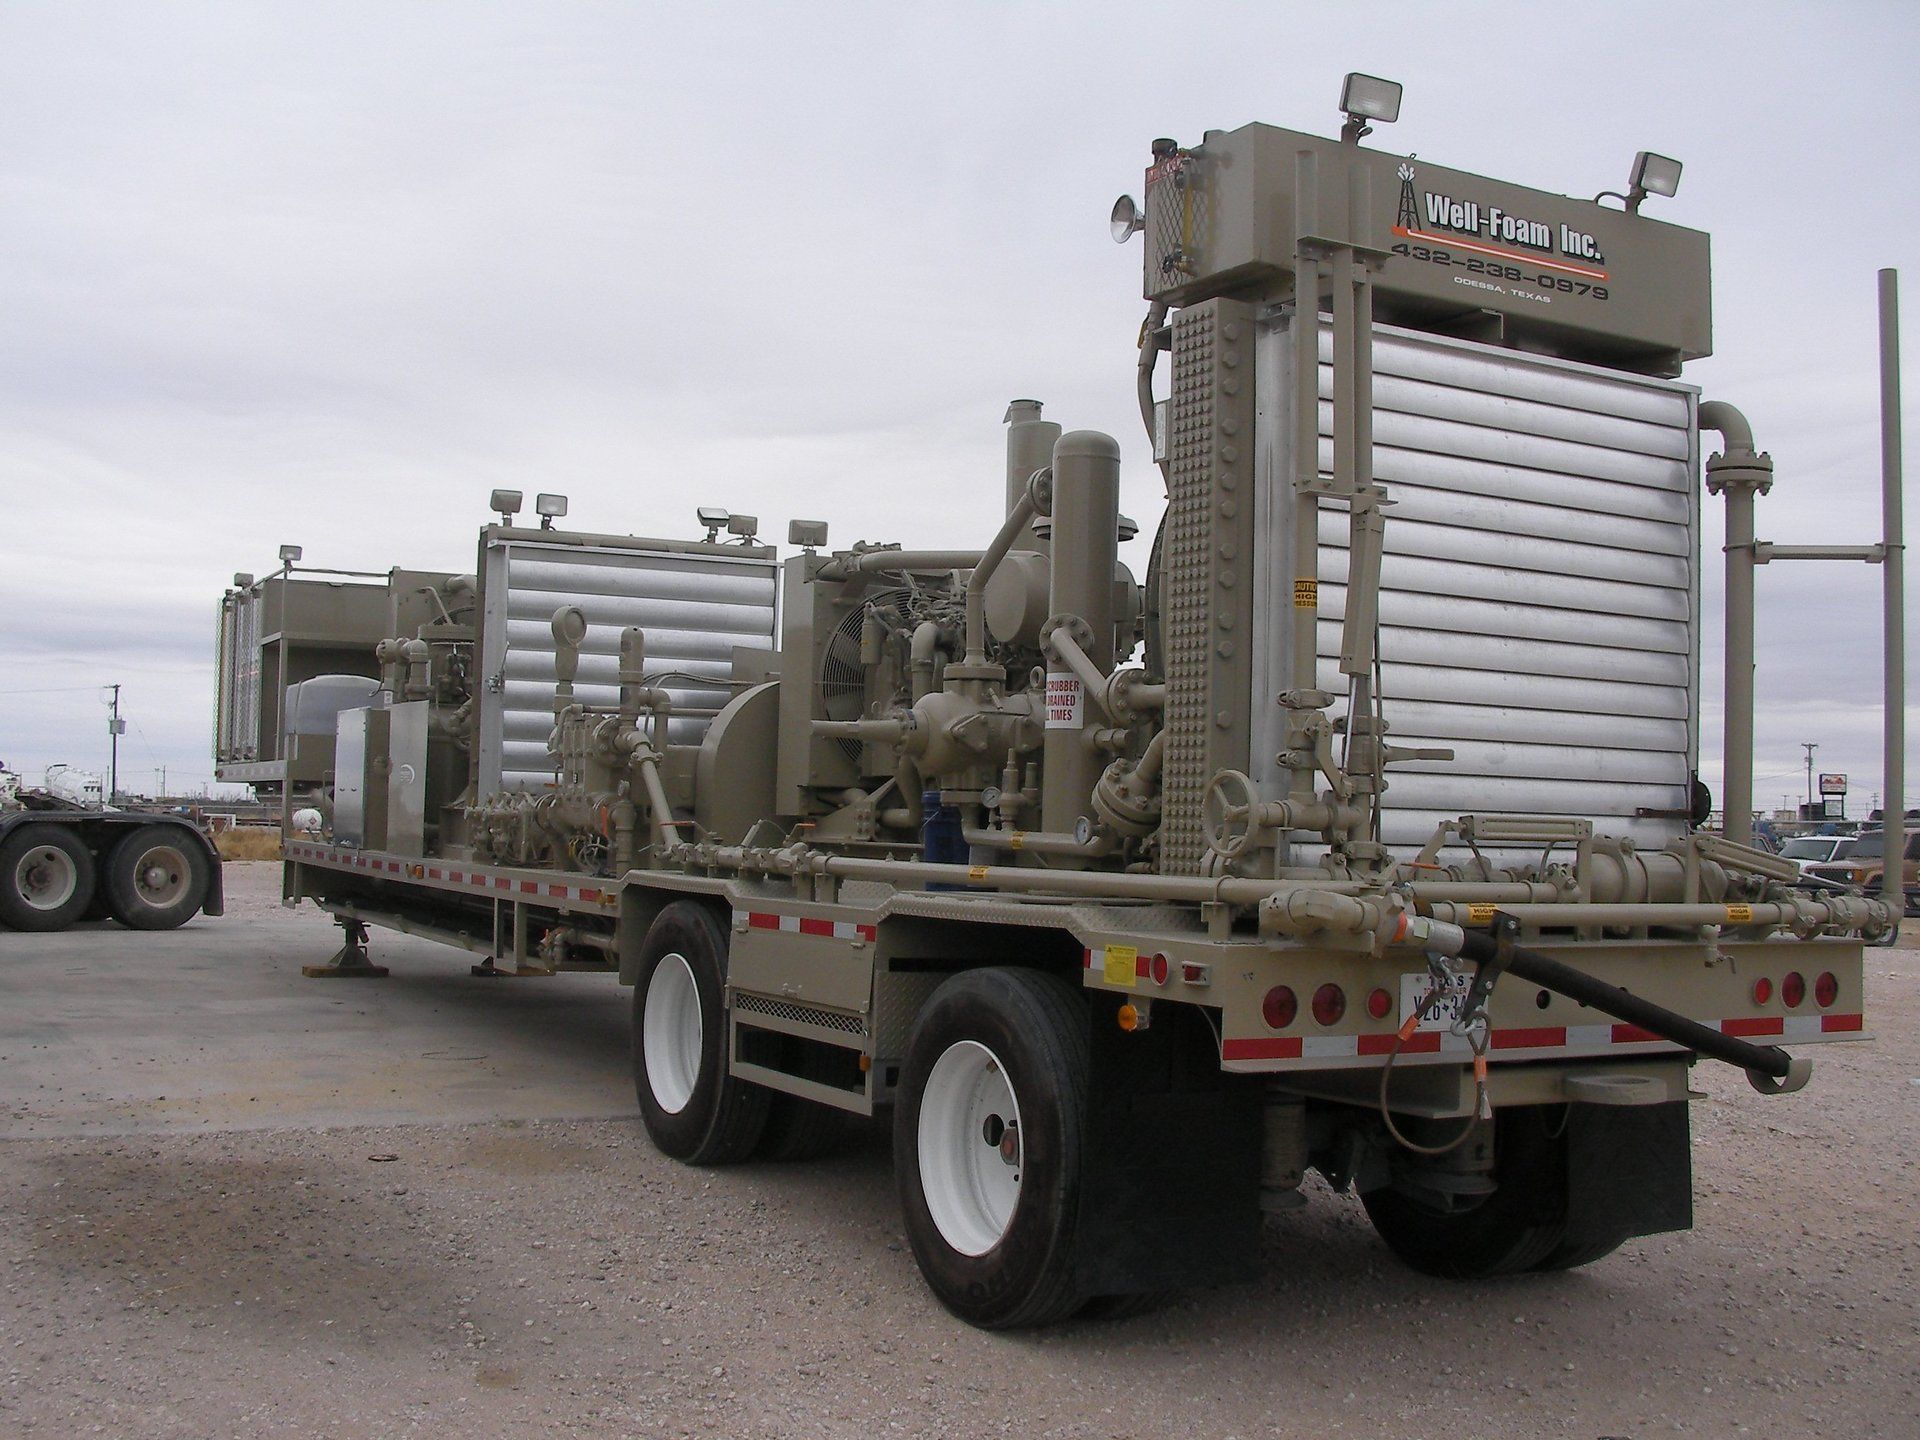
(350, 961)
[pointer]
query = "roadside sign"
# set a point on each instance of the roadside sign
(1833, 784)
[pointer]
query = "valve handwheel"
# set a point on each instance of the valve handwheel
(1227, 813)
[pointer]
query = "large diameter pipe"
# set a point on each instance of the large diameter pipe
(1086, 520)
(1737, 471)
(1030, 442)
(1893, 602)
(894, 562)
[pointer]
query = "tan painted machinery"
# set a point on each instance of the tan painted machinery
(1360, 834)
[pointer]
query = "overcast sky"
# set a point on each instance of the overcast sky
(327, 273)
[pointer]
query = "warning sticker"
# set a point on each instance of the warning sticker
(1121, 965)
(1306, 594)
(1481, 914)
(1739, 914)
(1066, 701)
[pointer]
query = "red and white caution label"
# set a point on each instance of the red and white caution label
(1066, 701)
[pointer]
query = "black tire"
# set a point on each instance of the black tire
(1521, 1226)
(717, 1119)
(1111, 1309)
(155, 878)
(46, 878)
(1033, 1029)
(801, 1129)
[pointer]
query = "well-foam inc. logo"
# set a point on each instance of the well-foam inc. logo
(1432, 216)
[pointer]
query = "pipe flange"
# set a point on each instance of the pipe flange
(1078, 631)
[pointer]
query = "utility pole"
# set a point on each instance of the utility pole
(1809, 747)
(115, 728)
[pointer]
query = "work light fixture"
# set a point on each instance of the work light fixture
(1364, 98)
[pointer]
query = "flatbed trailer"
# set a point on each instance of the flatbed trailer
(1386, 859)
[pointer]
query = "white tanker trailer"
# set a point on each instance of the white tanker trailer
(1361, 834)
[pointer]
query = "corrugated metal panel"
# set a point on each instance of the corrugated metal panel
(1539, 591)
(696, 610)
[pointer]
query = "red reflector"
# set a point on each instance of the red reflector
(1279, 1008)
(1157, 968)
(1762, 990)
(1793, 989)
(1826, 990)
(1379, 1002)
(1329, 1004)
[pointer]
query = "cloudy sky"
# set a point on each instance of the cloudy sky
(327, 273)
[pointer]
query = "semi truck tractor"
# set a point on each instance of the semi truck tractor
(1360, 834)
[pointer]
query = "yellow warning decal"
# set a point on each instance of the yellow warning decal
(1481, 914)
(1739, 914)
(1017, 840)
(1306, 594)
(1121, 966)
(976, 872)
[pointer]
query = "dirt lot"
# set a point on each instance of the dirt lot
(202, 1235)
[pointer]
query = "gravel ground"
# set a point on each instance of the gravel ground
(203, 1271)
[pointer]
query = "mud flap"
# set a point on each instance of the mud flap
(1629, 1172)
(1170, 1189)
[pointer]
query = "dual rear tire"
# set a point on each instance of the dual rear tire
(154, 877)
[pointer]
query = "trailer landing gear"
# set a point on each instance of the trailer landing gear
(350, 961)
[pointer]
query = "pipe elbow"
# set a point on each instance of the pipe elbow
(1732, 426)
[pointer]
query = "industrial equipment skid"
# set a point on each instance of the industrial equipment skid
(1362, 834)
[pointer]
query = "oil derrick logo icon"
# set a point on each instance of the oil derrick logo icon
(1409, 216)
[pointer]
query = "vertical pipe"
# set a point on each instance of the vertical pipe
(1306, 500)
(1737, 756)
(1893, 597)
(1086, 522)
(1030, 442)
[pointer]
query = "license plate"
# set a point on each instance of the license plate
(1417, 985)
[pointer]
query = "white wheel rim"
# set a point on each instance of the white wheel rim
(672, 1033)
(160, 876)
(46, 877)
(971, 1147)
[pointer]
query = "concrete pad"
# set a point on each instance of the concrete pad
(105, 1031)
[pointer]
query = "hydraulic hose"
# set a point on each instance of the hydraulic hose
(1768, 1062)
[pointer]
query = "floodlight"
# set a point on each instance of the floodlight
(713, 517)
(505, 504)
(547, 507)
(242, 580)
(290, 554)
(1652, 175)
(1367, 97)
(1125, 220)
(808, 534)
(745, 526)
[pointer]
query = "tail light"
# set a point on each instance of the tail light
(1329, 1004)
(1157, 969)
(1793, 989)
(1379, 1002)
(1762, 990)
(1826, 990)
(1279, 1008)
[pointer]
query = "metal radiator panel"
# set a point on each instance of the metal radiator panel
(1207, 612)
(696, 609)
(1539, 607)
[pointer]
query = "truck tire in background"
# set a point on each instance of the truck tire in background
(797, 1128)
(1572, 1183)
(155, 878)
(46, 878)
(989, 1140)
(694, 1111)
